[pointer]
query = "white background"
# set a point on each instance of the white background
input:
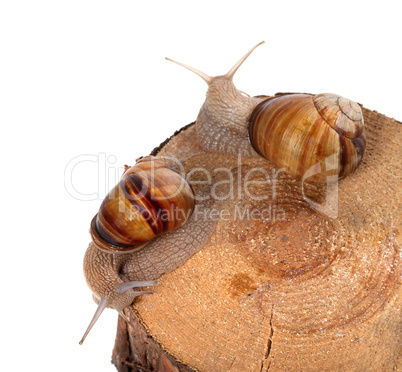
(89, 77)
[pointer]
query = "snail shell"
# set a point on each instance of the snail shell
(150, 199)
(302, 131)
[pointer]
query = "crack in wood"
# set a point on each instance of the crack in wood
(231, 365)
(269, 342)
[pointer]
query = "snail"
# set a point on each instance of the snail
(151, 199)
(302, 133)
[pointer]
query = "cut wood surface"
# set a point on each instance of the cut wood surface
(292, 289)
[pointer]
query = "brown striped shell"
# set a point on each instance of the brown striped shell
(149, 200)
(313, 137)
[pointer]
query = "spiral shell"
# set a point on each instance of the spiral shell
(150, 199)
(313, 137)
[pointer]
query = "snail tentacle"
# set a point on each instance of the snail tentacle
(103, 303)
(203, 75)
(233, 70)
(121, 313)
(124, 287)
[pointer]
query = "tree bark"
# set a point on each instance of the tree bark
(292, 290)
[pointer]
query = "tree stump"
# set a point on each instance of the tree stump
(296, 290)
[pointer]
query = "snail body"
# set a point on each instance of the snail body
(312, 137)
